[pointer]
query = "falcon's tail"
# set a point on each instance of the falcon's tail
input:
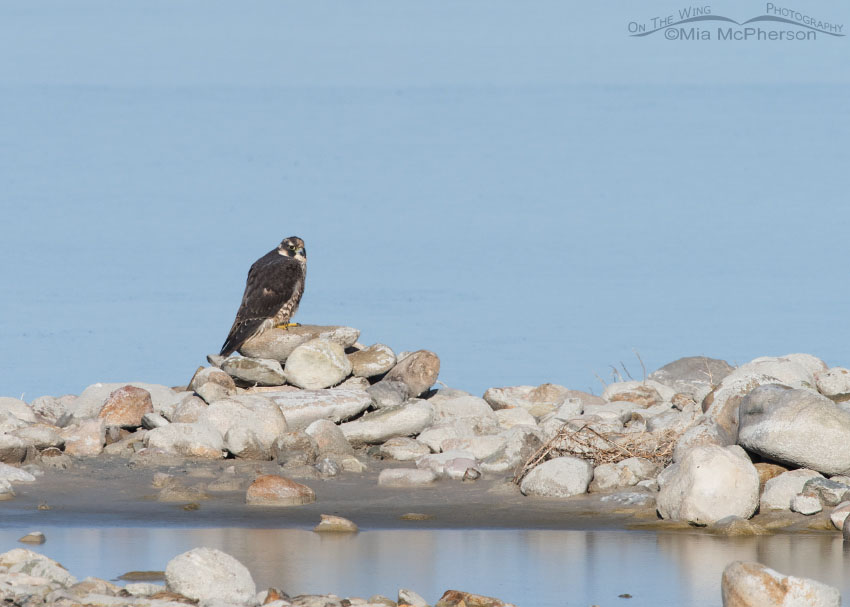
(240, 332)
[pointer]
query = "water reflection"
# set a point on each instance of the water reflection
(529, 567)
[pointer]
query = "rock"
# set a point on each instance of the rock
(40, 436)
(754, 585)
(13, 450)
(539, 401)
(449, 409)
(642, 393)
(710, 483)
(372, 361)
(408, 597)
(381, 425)
(144, 589)
(695, 376)
(317, 364)
(302, 407)
(251, 412)
(481, 447)
(456, 598)
(242, 442)
(780, 490)
(153, 420)
(274, 490)
(703, 434)
(406, 477)
(125, 407)
(189, 410)
(806, 504)
(461, 469)
(768, 471)
(49, 408)
(21, 560)
(6, 491)
(278, 344)
(735, 526)
(355, 383)
(86, 439)
(520, 443)
(17, 408)
(558, 477)
(176, 491)
(254, 371)
(834, 383)
(721, 405)
(388, 393)
(510, 418)
(335, 524)
(828, 492)
(792, 370)
(207, 574)
(839, 514)
(189, 440)
(329, 438)
(33, 537)
(626, 473)
(403, 449)
(295, 449)
(617, 410)
(212, 384)
(91, 401)
(418, 370)
(13, 474)
(799, 427)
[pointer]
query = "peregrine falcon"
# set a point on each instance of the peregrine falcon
(272, 292)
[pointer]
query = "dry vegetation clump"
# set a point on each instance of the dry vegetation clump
(604, 447)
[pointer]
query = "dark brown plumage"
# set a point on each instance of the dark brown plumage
(272, 293)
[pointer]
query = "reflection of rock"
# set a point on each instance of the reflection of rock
(754, 585)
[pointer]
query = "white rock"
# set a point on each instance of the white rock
(793, 370)
(754, 585)
(642, 393)
(703, 433)
(559, 477)
(799, 427)
(408, 597)
(722, 404)
(403, 449)
(12, 474)
(378, 426)
(510, 418)
(520, 443)
(317, 364)
(329, 438)
(303, 407)
(191, 440)
(21, 560)
(437, 462)
(616, 410)
(206, 574)
(13, 450)
(538, 400)
(255, 371)
(189, 409)
(834, 383)
(89, 403)
(626, 473)
(839, 515)
(406, 477)
(372, 361)
(251, 412)
(806, 504)
(434, 436)
(780, 490)
(18, 408)
(40, 436)
(710, 483)
(85, 439)
(480, 447)
(50, 408)
(465, 406)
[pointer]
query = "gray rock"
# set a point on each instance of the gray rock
(372, 361)
(85, 439)
(721, 405)
(189, 409)
(406, 477)
(21, 560)
(834, 383)
(450, 409)
(780, 490)
(254, 371)
(206, 574)
(251, 412)
(839, 515)
(328, 466)
(520, 443)
(90, 402)
(437, 462)
(11, 474)
(799, 427)
(13, 450)
(221, 385)
(18, 408)
(710, 483)
(189, 440)
(434, 436)
(388, 393)
(538, 400)
(278, 344)
(403, 449)
(317, 364)
(355, 383)
(303, 407)
(243, 443)
(793, 370)
(408, 597)
(481, 447)
(616, 410)
(626, 473)
(329, 438)
(378, 426)
(828, 492)
(40, 436)
(418, 370)
(295, 449)
(559, 477)
(510, 418)
(805, 503)
(642, 393)
(704, 433)
(754, 585)
(695, 376)
(50, 408)
(153, 420)
(462, 469)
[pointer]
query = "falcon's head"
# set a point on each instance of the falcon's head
(293, 247)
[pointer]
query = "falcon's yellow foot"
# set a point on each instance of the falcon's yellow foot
(286, 325)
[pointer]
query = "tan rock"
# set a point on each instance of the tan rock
(754, 585)
(278, 344)
(768, 471)
(457, 598)
(335, 524)
(372, 361)
(418, 370)
(85, 439)
(274, 490)
(126, 406)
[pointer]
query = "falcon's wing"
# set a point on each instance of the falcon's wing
(272, 281)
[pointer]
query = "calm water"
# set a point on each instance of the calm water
(529, 568)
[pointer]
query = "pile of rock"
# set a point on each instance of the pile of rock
(203, 576)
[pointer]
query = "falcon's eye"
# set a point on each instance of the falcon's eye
(292, 247)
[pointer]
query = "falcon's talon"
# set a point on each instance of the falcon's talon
(286, 325)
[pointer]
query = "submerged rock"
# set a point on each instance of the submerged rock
(335, 524)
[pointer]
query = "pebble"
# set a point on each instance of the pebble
(335, 524)
(274, 490)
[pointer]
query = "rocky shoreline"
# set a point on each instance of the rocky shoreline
(756, 449)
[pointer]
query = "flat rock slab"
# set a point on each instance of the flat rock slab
(254, 371)
(278, 344)
(274, 490)
(378, 426)
(303, 407)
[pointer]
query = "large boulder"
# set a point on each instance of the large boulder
(798, 427)
(834, 383)
(126, 406)
(378, 426)
(695, 376)
(31, 563)
(303, 407)
(91, 401)
(249, 411)
(317, 364)
(190, 440)
(710, 483)
(17, 408)
(558, 477)
(755, 585)
(207, 574)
